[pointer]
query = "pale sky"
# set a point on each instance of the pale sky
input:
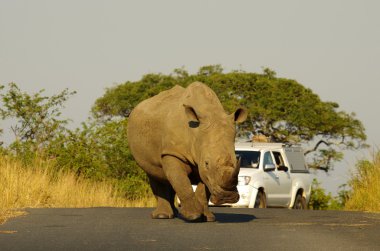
(332, 47)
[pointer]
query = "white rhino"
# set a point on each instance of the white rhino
(181, 137)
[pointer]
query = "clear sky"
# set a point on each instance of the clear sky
(332, 47)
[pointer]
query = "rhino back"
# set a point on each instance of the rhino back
(148, 125)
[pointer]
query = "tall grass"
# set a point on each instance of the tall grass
(38, 185)
(366, 186)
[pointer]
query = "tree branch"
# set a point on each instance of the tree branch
(316, 146)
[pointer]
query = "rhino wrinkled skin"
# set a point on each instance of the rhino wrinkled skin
(181, 137)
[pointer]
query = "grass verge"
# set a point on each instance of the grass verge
(366, 186)
(38, 186)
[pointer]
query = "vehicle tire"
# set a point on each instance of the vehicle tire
(300, 202)
(261, 200)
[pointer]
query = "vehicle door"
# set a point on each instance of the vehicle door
(271, 180)
(284, 184)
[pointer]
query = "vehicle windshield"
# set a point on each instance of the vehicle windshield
(248, 159)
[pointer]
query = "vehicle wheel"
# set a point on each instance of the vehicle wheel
(300, 202)
(261, 200)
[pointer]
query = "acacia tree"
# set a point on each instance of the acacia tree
(280, 109)
(37, 117)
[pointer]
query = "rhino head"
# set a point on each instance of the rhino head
(213, 139)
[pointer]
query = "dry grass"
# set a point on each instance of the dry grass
(6, 214)
(37, 186)
(366, 187)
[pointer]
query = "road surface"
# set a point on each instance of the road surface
(235, 229)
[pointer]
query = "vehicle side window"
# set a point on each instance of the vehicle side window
(248, 159)
(268, 158)
(278, 158)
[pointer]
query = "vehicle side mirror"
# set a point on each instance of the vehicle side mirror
(283, 168)
(269, 167)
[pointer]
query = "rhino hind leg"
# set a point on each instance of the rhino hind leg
(203, 195)
(164, 194)
(176, 172)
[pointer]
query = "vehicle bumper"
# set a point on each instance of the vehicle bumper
(247, 195)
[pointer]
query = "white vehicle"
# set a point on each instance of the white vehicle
(272, 175)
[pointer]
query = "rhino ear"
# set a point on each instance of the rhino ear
(240, 115)
(191, 114)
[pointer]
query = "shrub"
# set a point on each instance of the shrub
(100, 151)
(319, 200)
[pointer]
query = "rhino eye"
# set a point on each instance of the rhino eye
(193, 124)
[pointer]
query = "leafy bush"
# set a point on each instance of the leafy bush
(319, 200)
(100, 151)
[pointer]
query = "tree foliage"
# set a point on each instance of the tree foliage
(37, 117)
(281, 109)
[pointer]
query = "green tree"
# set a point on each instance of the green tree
(280, 109)
(121, 99)
(37, 118)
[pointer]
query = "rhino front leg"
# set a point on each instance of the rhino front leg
(164, 194)
(177, 174)
(203, 195)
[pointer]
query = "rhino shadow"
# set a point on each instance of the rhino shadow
(233, 218)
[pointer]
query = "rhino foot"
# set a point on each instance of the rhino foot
(161, 215)
(192, 218)
(209, 217)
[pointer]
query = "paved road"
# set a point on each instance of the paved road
(235, 229)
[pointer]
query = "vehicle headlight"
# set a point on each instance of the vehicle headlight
(243, 180)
